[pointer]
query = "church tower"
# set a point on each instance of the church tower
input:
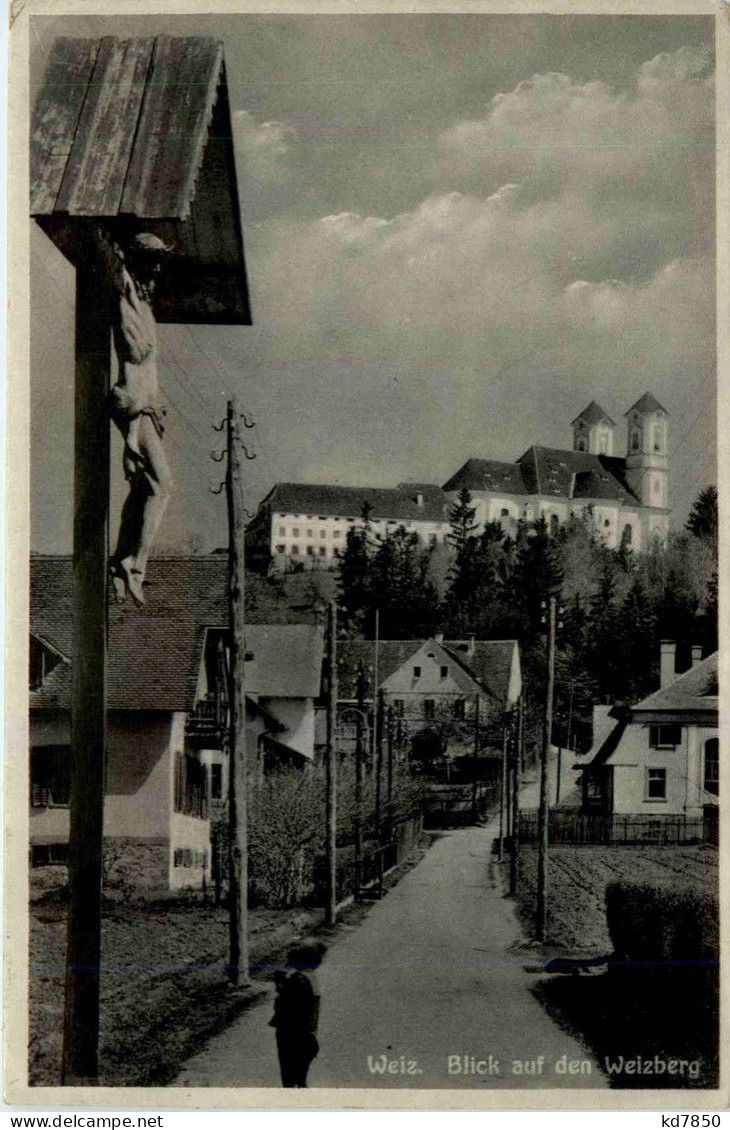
(593, 431)
(647, 470)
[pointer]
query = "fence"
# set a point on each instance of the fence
(454, 806)
(376, 858)
(596, 828)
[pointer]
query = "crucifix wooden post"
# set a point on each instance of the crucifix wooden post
(88, 703)
(131, 149)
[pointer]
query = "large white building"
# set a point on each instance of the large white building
(626, 496)
(309, 522)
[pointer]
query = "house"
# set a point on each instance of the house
(660, 758)
(626, 497)
(308, 523)
(167, 703)
(283, 685)
(424, 682)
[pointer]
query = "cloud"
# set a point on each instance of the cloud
(651, 145)
(566, 256)
(263, 147)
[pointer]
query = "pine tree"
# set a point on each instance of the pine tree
(703, 519)
(461, 519)
(353, 570)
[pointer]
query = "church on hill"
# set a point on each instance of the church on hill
(627, 496)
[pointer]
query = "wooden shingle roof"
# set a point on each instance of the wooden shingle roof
(139, 131)
(154, 651)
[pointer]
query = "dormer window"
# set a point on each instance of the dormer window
(635, 439)
(581, 444)
(416, 672)
(43, 659)
(658, 437)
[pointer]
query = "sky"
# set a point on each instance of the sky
(459, 230)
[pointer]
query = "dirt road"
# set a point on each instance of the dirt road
(424, 992)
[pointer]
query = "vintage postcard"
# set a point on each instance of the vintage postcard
(362, 671)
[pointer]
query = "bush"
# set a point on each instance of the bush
(661, 928)
(285, 831)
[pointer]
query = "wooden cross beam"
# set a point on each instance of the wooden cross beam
(128, 136)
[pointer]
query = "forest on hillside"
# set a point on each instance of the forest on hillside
(614, 605)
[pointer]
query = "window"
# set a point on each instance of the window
(50, 776)
(657, 437)
(295, 550)
(554, 524)
(603, 443)
(337, 534)
(504, 512)
(280, 549)
(216, 780)
(628, 534)
(43, 854)
(429, 707)
(581, 445)
(712, 767)
(398, 705)
(665, 736)
(416, 672)
(656, 784)
(282, 531)
(310, 551)
(323, 551)
(444, 672)
(323, 533)
(310, 533)
(657, 486)
(635, 439)
(295, 532)
(459, 709)
(191, 786)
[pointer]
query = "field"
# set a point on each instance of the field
(164, 988)
(577, 880)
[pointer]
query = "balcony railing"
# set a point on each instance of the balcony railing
(206, 723)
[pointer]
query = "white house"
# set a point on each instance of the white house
(661, 757)
(308, 523)
(427, 680)
(167, 714)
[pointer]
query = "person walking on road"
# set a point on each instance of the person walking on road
(296, 1011)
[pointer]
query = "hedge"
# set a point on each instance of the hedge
(661, 928)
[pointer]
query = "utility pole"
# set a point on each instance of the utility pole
(238, 968)
(474, 786)
(544, 810)
(376, 682)
(331, 767)
(359, 775)
(390, 772)
(379, 785)
(503, 794)
(88, 671)
(514, 856)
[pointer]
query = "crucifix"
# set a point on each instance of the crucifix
(132, 170)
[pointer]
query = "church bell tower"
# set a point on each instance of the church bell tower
(647, 470)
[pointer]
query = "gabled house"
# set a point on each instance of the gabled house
(167, 698)
(425, 681)
(660, 758)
